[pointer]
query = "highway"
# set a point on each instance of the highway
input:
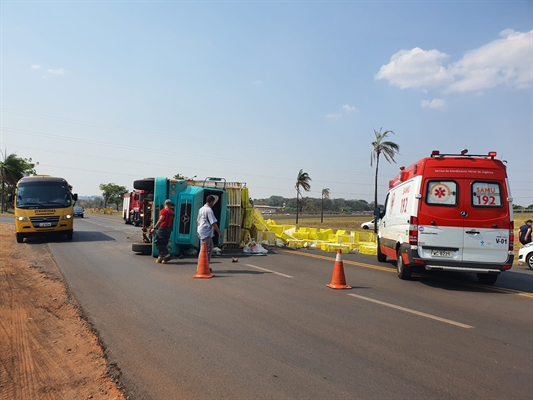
(267, 327)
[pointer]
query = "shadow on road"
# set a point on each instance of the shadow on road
(467, 282)
(79, 236)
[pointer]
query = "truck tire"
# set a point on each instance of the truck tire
(403, 271)
(381, 257)
(144, 184)
(487, 279)
(20, 238)
(142, 248)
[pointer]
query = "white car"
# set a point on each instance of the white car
(368, 225)
(525, 255)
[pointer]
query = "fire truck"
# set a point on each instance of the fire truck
(132, 207)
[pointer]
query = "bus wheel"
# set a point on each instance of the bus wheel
(403, 271)
(69, 236)
(487, 279)
(20, 238)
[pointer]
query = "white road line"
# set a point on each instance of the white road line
(447, 321)
(267, 270)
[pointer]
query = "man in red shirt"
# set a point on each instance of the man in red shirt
(164, 228)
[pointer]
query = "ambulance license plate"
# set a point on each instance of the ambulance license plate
(441, 253)
(45, 224)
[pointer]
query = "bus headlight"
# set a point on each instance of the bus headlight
(67, 216)
(22, 219)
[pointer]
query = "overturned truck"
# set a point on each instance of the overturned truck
(188, 196)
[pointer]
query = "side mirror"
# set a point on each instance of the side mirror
(10, 198)
(75, 196)
(377, 212)
(141, 197)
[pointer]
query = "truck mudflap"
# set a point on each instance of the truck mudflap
(411, 258)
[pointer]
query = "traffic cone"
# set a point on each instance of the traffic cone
(203, 264)
(338, 281)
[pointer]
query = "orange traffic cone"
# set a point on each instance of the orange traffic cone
(338, 281)
(203, 264)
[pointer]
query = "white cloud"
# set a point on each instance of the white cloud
(346, 109)
(503, 61)
(436, 104)
(59, 71)
(35, 66)
(506, 60)
(416, 68)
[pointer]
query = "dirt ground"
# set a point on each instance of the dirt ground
(47, 350)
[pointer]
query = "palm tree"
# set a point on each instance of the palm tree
(389, 150)
(11, 170)
(325, 195)
(302, 181)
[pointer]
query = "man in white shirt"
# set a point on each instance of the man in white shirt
(207, 225)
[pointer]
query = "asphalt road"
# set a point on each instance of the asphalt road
(267, 327)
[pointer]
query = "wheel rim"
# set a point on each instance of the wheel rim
(530, 262)
(399, 264)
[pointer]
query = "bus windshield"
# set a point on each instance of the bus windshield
(43, 195)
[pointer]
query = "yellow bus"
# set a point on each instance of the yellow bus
(43, 206)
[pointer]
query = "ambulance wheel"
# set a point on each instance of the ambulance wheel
(381, 257)
(403, 271)
(20, 238)
(529, 261)
(144, 184)
(487, 279)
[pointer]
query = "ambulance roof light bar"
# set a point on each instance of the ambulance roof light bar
(492, 154)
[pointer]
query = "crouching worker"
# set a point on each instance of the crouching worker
(164, 229)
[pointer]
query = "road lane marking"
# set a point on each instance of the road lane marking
(358, 264)
(421, 314)
(370, 266)
(268, 270)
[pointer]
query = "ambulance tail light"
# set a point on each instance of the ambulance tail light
(511, 236)
(413, 231)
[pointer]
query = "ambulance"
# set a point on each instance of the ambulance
(449, 212)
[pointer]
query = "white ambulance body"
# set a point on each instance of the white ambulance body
(450, 212)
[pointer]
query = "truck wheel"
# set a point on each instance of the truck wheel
(144, 184)
(529, 261)
(142, 248)
(487, 279)
(20, 238)
(381, 257)
(403, 271)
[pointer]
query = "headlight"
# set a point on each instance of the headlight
(67, 216)
(22, 219)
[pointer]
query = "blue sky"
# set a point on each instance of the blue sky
(103, 92)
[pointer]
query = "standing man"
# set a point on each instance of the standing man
(525, 233)
(207, 225)
(164, 229)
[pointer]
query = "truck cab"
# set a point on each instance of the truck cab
(187, 200)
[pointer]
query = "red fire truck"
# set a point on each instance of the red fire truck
(132, 207)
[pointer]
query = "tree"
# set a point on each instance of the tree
(389, 150)
(325, 195)
(12, 169)
(112, 193)
(302, 182)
